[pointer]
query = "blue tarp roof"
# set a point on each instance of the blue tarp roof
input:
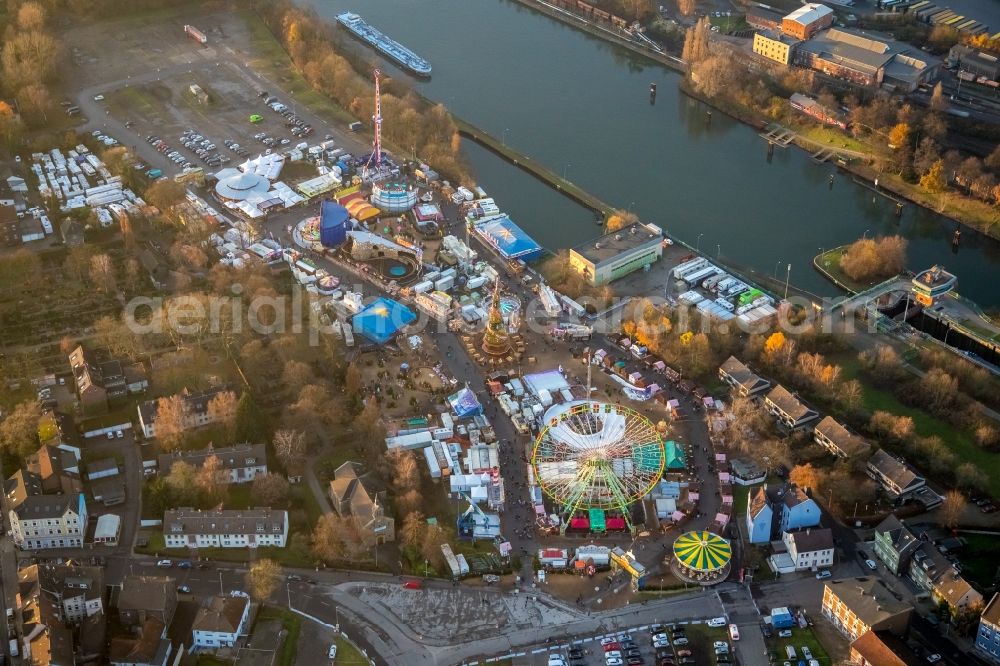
(382, 319)
(464, 403)
(510, 239)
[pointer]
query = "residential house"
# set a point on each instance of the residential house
(220, 623)
(809, 549)
(881, 648)
(760, 516)
(39, 521)
(353, 495)
(741, 379)
(238, 464)
(897, 479)
(191, 528)
(148, 647)
(791, 412)
(932, 572)
(145, 598)
(775, 46)
(857, 605)
(895, 544)
(195, 408)
(57, 468)
(798, 510)
(98, 383)
(52, 600)
(838, 440)
(988, 636)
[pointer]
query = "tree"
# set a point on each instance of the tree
(29, 57)
(67, 345)
(896, 428)
(249, 424)
(621, 219)
(102, 272)
(434, 538)
(686, 7)
(969, 477)
(951, 509)
(714, 74)
(899, 135)
(182, 480)
(405, 472)
(938, 101)
(805, 476)
(297, 374)
(164, 194)
(290, 448)
(968, 171)
(213, 480)
(411, 535)
(35, 104)
(77, 264)
(883, 365)
(927, 153)
(263, 578)
(222, 409)
(19, 431)
(868, 259)
(696, 42)
(171, 421)
(31, 16)
(337, 538)
(270, 490)
(938, 389)
(992, 161)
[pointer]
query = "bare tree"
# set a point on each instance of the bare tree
(411, 535)
(290, 448)
(337, 539)
(213, 480)
(952, 508)
(270, 490)
(102, 272)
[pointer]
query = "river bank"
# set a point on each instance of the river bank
(975, 214)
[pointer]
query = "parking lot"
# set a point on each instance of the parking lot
(683, 643)
(178, 104)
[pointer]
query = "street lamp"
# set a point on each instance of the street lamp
(503, 136)
(776, 264)
(788, 274)
(865, 235)
(566, 166)
(697, 243)
(718, 251)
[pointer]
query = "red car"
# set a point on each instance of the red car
(610, 647)
(413, 585)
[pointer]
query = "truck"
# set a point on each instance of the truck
(195, 34)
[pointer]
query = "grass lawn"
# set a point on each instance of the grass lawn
(347, 653)
(728, 24)
(829, 262)
(924, 424)
(800, 638)
(700, 638)
(292, 623)
(835, 138)
(274, 64)
(740, 494)
(979, 560)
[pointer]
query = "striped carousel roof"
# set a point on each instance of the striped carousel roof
(702, 551)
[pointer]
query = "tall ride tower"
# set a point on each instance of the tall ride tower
(376, 155)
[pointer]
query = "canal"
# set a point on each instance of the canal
(581, 106)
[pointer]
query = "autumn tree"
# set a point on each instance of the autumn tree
(434, 538)
(171, 421)
(883, 364)
(31, 16)
(297, 374)
(696, 42)
(337, 538)
(11, 126)
(182, 481)
(969, 477)
(222, 410)
(992, 161)
(805, 476)
(263, 578)
(411, 534)
(35, 104)
(952, 508)
(164, 194)
(19, 430)
(868, 259)
(29, 57)
(77, 262)
(213, 480)
(621, 219)
(686, 7)
(899, 135)
(896, 428)
(938, 390)
(270, 490)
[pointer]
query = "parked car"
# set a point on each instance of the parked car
(785, 633)
(332, 652)
(871, 564)
(164, 564)
(823, 574)
(717, 622)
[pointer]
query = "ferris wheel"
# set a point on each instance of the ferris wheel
(597, 455)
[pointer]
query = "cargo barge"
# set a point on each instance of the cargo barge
(390, 48)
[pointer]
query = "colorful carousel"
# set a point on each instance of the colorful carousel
(701, 557)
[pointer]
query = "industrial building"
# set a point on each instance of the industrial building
(807, 20)
(775, 46)
(618, 253)
(867, 60)
(975, 62)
